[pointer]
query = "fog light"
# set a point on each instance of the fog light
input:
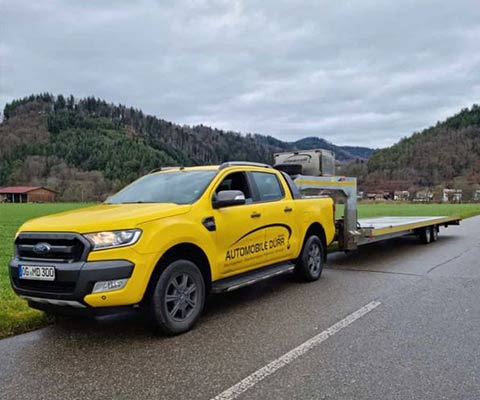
(107, 286)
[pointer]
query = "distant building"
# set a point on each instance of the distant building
(27, 194)
(379, 196)
(452, 195)
(423, 196)
(388, 195)
(476, 195)
(401, 195)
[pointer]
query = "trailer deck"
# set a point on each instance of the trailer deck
(382, 228)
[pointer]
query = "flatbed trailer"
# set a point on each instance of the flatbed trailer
(352, 231)
(382, 228)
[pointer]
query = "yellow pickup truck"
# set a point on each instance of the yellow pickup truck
(169, 239)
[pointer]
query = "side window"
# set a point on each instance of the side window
(269, 187)
(236, 181)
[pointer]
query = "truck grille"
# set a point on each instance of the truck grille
(55, 247)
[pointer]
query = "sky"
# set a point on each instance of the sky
(363, 73)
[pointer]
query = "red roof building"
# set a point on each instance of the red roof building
(27, 194)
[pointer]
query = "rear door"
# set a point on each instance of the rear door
(278, 210)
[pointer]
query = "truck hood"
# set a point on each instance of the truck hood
(104, 217)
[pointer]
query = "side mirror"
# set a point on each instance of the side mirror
(227, 198)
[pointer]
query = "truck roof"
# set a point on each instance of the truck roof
(213, 167)
(198, 168)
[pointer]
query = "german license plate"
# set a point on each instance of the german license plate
(36, 272)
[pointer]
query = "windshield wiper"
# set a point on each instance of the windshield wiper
(147, 202)
(134, 202)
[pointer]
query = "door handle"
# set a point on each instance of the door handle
(255, 215)
(288, 209)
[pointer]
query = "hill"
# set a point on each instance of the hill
(86, 148)
(444, 155)
(342, 153)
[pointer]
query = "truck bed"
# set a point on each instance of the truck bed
(380, 228)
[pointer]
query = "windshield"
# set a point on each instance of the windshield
(180, 187)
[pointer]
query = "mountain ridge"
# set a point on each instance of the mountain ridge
(446, 155)
(87, 147)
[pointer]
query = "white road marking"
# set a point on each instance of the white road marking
(251, 380)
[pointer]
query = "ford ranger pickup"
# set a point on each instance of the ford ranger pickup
(167, 240)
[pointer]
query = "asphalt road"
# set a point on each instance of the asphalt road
(421, 342)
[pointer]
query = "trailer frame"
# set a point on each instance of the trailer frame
(352, 231)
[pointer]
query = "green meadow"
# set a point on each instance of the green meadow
(15, 315)
(368, 209)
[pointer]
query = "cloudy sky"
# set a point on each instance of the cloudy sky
(353, 72)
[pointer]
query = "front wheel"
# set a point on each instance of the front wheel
(309, 265)
(178, 298)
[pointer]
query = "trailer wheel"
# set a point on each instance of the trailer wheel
(435, 230)
(178, 298)
(309, 265)
(426, 235)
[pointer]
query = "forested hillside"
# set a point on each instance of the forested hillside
(87, 148)
(445, 155)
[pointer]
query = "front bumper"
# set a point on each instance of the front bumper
(49, 306)
(73, 282)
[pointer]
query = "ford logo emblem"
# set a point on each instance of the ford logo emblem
(42, 248)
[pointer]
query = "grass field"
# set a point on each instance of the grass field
(16, 317)
(410, 209)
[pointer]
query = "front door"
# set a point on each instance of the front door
(239, 229)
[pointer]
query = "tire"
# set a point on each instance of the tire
(434, 233)
(178, 298)
(426, 235)
(309, 265)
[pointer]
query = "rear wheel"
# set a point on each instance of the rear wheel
(178, 298)
(426, 235)
(309, 265)
(434, 233)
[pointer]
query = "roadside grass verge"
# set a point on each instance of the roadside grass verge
(16, 317)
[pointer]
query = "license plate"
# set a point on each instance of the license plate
(36, 272)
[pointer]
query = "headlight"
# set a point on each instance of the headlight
(107, 240)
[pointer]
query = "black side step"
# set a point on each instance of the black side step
(251, 277)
